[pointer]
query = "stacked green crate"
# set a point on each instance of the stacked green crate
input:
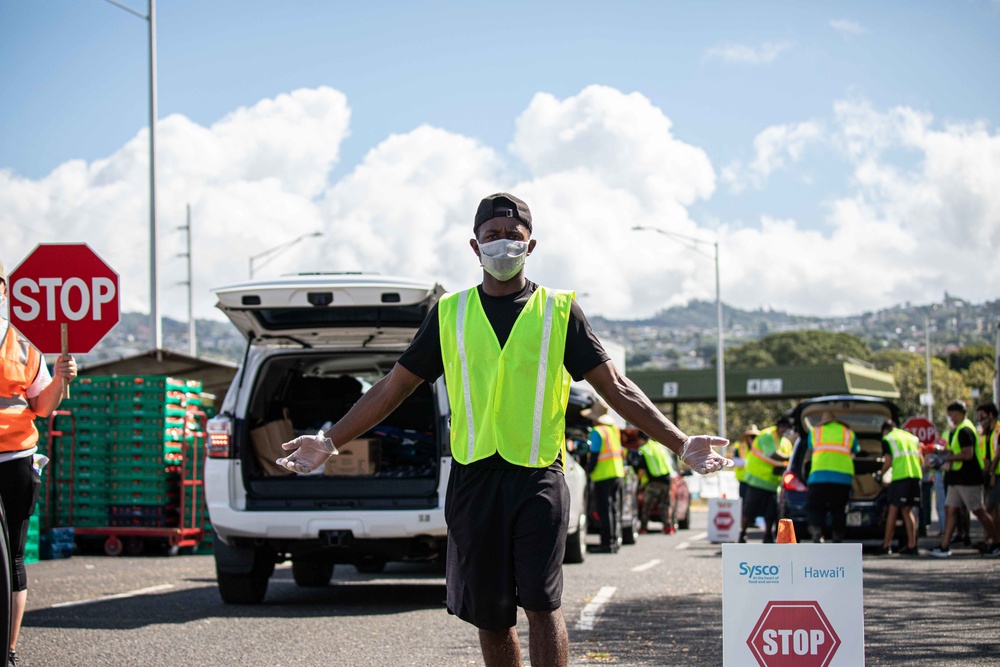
(31, 546)
(75, 482)
(149, 433)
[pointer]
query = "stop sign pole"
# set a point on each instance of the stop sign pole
(63, 298)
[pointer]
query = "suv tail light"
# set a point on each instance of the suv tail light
(791, 482)
(220, 439)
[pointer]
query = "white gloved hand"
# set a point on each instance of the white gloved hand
(698, 454)
(311, 451)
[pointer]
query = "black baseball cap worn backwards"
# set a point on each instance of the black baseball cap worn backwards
(502, 205)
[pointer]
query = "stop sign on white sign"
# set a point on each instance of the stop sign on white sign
(63, 284)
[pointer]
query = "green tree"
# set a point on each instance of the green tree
(965, 357)
(910, 371)
(979, 375)
(798, 348)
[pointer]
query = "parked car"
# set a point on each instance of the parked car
(867, 506)
(315, 344)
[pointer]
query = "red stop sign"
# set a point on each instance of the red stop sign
(922, 428)
(60, 284)
(793, 634)
(723, 520)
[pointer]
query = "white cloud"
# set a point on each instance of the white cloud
(922, 217)
(748, 55)
(848, 28)
(774, 147)
(921, 213)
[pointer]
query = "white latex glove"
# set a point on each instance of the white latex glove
(311, 451)
(739, 463)
(698, 454)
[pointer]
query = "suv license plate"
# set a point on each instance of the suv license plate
(854, 519)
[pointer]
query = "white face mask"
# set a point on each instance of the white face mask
(503, 258)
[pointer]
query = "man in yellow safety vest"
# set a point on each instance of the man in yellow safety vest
(989, 441)
(606, 468)
(832, 445)
(765, 464)
(507, 348)
(901, 454)
(656, 465)
(964, 481)
(740, 457)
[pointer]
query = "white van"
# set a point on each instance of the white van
(316, 343)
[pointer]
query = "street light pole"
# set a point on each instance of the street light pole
(273, 252)
(720, 364)
(155, 323)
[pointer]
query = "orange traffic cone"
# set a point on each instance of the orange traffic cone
(786, 532)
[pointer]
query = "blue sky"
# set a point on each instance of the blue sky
(74, 81)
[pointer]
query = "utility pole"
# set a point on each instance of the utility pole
(927, 352)
(192, 343)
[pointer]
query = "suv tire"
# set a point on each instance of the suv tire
(311, 572)
(247, 587)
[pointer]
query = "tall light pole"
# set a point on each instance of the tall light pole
(927, 357)
(192, 341)
(720, 365)
(270, 254)
(155, 324)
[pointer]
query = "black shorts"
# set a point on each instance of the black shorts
(759, 502)
(19, 485)
(905, 492)
(506, 541)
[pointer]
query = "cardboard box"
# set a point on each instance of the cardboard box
(357, 457)
(267, 441)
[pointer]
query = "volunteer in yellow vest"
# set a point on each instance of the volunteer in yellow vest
(606, 469)
(832, 446)
(26, 391)
(657, 466)
(989, 441)
(766, 462)
(740, 457)
(901, 454)
(964, 481)
(507, 349)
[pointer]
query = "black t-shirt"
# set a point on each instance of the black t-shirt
(584, 351)
(971, 473)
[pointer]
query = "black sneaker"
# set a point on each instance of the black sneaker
(939, 552)
(12, 660)
(882, 551)
(907, 551)
(992, 552)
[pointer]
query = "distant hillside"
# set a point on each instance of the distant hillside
(681, 336)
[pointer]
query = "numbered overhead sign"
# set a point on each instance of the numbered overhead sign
(63, 284)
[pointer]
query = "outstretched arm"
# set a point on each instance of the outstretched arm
(628, 400)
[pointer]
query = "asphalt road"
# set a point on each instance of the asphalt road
(656, 603)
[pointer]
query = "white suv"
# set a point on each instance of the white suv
(316, 343)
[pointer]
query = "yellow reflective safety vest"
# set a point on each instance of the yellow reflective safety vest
(832, 444)
(21, 361)
(905, 448)
(956, 448)
(986, 445)
(760, 461)
(742, 450)
(657, 459)
(609, 459)
(510, 400)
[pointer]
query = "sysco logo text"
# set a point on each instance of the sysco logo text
(754, 571)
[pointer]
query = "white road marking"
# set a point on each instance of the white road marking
(647, 566)
(588, 617)
(695, 538)
(117, 596)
